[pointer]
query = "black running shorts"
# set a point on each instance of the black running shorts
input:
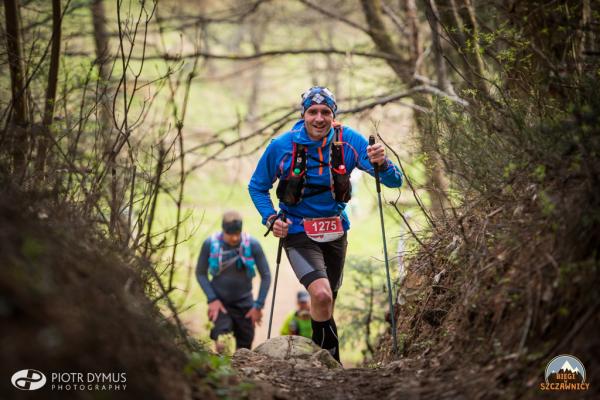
(312, 260)
(236, 322)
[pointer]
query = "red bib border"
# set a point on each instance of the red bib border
(323, 229)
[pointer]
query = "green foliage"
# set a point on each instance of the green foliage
(563, 311)
(547, 206)
(32, 248)
(492, 145)
(361, 316)
(219, 374)
(539, 173)
(529, 120)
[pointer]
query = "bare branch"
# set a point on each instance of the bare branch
(334, 15)
(408, 93)
(385, 100)
(400, 25)
(247, 57)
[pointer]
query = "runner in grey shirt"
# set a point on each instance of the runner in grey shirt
(231, 258)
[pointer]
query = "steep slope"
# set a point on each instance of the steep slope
(70, 303)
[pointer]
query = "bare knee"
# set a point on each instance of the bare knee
(323, 298)
(320, 294)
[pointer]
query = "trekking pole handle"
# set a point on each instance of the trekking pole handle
(270, 228)
(375, 166)
(279, 215)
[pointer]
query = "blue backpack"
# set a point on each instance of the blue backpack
(215, 259)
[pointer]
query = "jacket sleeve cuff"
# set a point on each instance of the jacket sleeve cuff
(387, 168)
(266, 219)
(258, 305)
(211, 299)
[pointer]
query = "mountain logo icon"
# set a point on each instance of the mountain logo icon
(565, 367)
(565, 373)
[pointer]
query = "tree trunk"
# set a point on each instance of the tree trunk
(471, 25)
(410, 9)
(44, 140)
(589, 42)
(583, 35)
(378, 32)
(436, 183)
(18, 122)
(443, 83)
(102, 59)
(104, 115)
(333, 70)
(257, 35)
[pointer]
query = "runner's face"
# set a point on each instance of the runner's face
(304, 305)
(232, 239)
(318, 119)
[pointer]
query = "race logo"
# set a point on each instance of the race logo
(28, 379)
(565, 373)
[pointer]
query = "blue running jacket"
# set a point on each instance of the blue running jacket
(275, 163)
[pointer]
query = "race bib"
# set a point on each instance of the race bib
(323, 229)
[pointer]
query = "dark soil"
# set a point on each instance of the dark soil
(70, 303)
(406, 379)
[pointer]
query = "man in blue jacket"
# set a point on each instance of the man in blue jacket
(313, 162)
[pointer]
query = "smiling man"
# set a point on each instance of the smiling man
(313, 162)
(232, 257)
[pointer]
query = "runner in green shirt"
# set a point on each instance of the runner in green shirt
(298, 322)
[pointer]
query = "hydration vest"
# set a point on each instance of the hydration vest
(245, 259)
(292, 189)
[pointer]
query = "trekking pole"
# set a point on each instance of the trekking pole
(276, 274)
(385, 253)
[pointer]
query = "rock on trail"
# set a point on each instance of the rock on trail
(294, 367)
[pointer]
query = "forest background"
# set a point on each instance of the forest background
(146, 119)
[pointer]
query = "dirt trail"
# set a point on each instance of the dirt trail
(405, 379)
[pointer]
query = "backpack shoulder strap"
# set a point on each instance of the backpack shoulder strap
(337, 148)
(298, 164)
(216, 253)
(246, 257)
(246, 241)
(215, 243)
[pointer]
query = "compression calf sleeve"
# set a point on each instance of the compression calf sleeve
(325, 335)
(334, 326)
(335, 331)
